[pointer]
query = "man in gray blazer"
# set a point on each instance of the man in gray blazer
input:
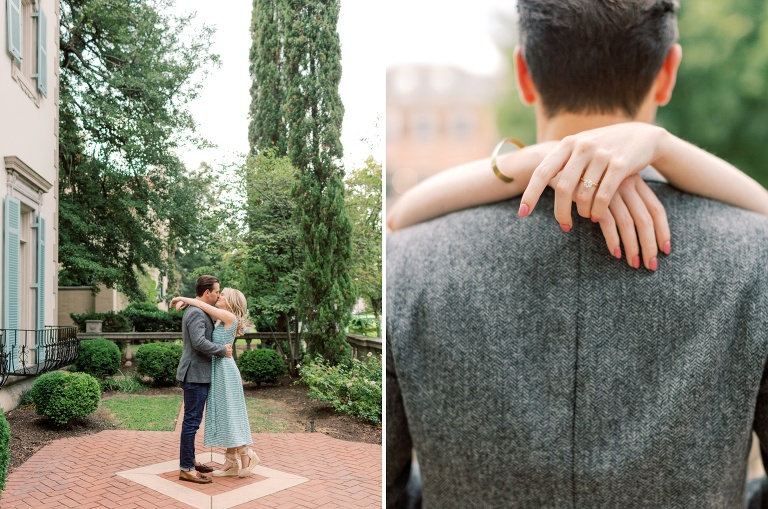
(526, 368)
(194, 375)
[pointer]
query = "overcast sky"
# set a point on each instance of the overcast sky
(440, 32)
(221, 111)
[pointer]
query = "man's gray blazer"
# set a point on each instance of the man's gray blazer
(528, 368)
(195, 363)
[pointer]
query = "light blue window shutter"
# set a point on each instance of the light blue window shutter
(42, 53)
(40, 340)
(13, 15)
(11, 276)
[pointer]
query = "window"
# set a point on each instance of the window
(23, 257)
(27, 42)
(462, 123)
(424, 125)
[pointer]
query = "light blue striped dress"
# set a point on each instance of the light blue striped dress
(226, 420)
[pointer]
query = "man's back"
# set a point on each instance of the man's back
(533, 370)
(195, 362)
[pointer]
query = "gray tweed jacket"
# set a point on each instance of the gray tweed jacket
(527, 368)
(195, 363)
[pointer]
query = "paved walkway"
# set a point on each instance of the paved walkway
(139, 470)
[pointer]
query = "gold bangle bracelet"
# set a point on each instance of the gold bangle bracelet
(496, 170)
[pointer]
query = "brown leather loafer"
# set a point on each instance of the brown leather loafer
(195, 478)
(203, 468)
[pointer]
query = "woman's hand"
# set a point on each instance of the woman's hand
(597, 169)
(591, 165)
(636, 216)
(177, 303)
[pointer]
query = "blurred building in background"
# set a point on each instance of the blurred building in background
(437, 117)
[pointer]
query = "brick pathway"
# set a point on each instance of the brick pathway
(139, 470)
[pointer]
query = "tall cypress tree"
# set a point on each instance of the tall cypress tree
(273, 252)
(267, 128)
(314, 115)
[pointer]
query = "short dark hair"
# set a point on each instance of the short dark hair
(204, 283)
(595, 56)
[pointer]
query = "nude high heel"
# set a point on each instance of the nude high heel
(254, 460)
(231, 471)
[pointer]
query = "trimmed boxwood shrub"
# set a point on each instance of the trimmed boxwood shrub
(261, 365)
(147, 317)
(97, 357)
(5, 448)
(158, 361)
(64, 397)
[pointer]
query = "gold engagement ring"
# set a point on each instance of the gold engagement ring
(588, 183)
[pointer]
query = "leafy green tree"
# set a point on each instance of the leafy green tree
(267, 127)
(219, 250)
(314, 114)
(126, 200)
(273, 256)
(363, 200)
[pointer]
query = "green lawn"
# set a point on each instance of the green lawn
(158, 413)
(261, 418)
(144, 413)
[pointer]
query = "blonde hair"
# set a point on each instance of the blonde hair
(239, 307)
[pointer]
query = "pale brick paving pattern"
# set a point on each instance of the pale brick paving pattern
(82, 473)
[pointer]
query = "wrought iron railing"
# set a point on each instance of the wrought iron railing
(34, 352)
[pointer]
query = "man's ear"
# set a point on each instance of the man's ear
(525, 86)
(665, 80)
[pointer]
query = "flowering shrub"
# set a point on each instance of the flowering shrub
(353, 388)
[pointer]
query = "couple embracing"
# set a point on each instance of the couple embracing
(207, 371)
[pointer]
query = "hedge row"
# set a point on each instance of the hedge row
(139, 316)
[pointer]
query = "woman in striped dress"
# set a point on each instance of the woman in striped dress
(226, 419)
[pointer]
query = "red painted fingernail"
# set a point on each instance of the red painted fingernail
(654, 263)
(617, 252)
(636, 262)
(667, 247)
(565, 228)
(523, 210)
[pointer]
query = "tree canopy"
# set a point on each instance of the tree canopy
(126, 200)
(363, 199)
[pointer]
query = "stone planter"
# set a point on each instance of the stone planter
(93, 326)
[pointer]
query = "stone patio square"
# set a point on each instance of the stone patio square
(222, 493)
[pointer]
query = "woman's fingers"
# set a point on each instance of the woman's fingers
(611, 234)
(570, 177)
(542, 175)
(626, 227)
(643, 223)
(589, 183)
(615, 173)
(659, 215)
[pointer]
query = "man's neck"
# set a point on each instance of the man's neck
(565, 124)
